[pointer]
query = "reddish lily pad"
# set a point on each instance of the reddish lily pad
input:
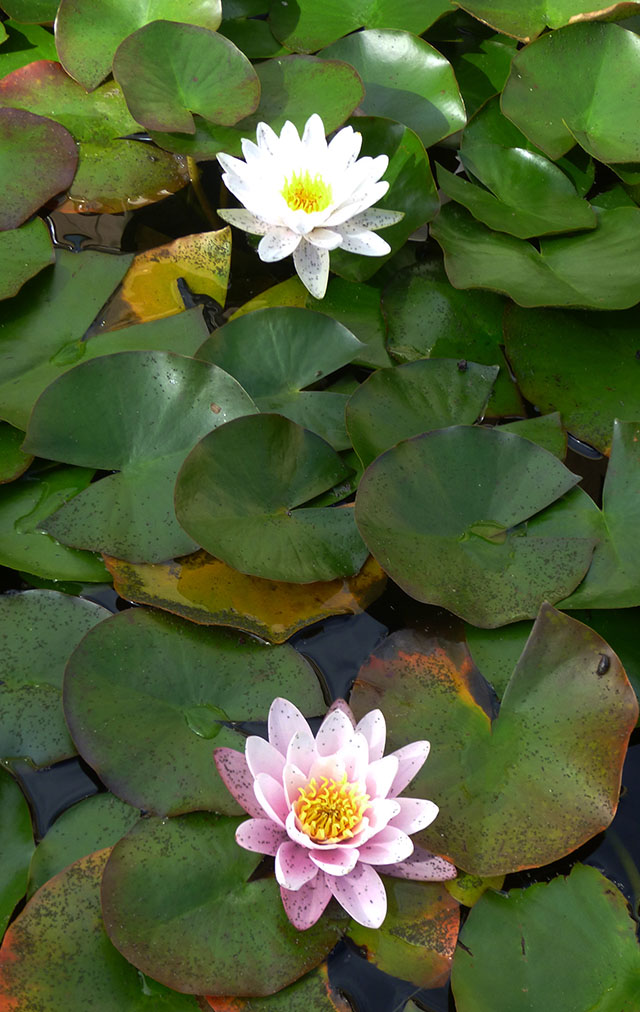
(24, 252)
(531, 784)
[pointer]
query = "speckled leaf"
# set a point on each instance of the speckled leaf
(31, 11)
(149, 695)
(467, 889)
(418, 937)
(525, 19)
(13, 462)
(593, 963)
(16, 846)
(88, 36)
(313, 991)
(556, 748)
(89, 825)
(254, 518)
(275, 353)
(486, 549)
(38, 631)
(405, 79)
(57, 955)
(24, 252)
(545, 430)
(169, 70)
(168, 402)
(207, 591)
(114, 174)
(393, 404)
(193, 865)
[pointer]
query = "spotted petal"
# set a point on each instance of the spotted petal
(361, 893)
(422, 866)
(236, 776)
(278, 243)
(260, 835)
(389, 846)
(293, 866)
(339, 861)
(312, 267)
(304, 906)
(284, 720)
(241, 218)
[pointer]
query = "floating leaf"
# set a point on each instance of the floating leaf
(525, 19)
(486, 548)
(313, 991)
(193, 866)
(168, 402)
(57, 955)
(147, 697)
(253, 37)
(418, 937)
(275, 353)
(13, 462)
(168, 70)
(16, 845)
(529, 785)
(467, 889)
(254, 518)
(393, 404)
(87, 38)
(481, 67)
(31, 11)
(545, 430)
(24, 251)
(39, 629)
(405, 79)
(25, 44)
(207, 591)
(506, 939)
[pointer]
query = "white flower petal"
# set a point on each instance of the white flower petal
(277, 244)
(367, 243)
(312, 267)
(376, 217)
(324, 238)
(241, 218)
(344, 149)
(314, 138)
(267, 139)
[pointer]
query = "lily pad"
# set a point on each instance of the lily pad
(57, 955)
(13, 462)
(25, 44)
(31, 11)
(254, 518)
(393, 404)
(169, 70)
(207, 591)
(24, 252)
(253, 37)
(87, 37)
(486, 548)
(545, 430)
(481, 67)
(38, 631)
(467, 889)
(506, 938)
(405, 79)
(531, 784)
(149, 695)
(193, 867)
(418, 937)
(313, 991)
(275, 353)
(525, 19)
(168, 403)
(16, 841)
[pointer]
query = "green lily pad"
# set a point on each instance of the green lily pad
(87, 36)
(16, 843)
(149, 697)
(545, 430)
(481, 67)
(525, 19)
(418, 936)
(254, 518)
(193, 868)
(467, 889)
(24, 252)
(57, 955)
(25, 44)
(594, 269)
(38, 159)
(405, 79)
(114, 174)
(89, 825)
(31, 11)
(39, 629)
(531, 784)
(428, 318)
(291, 88)
(25, 505)
(393, 404)
(585, 365)
(486, 548)
(561, 92)
(13, 462)
(275, 353)
(167, 403)
(313, 991)
(169, 70)
(506, 938)
(254, 38)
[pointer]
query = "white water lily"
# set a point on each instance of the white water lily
(306, 197)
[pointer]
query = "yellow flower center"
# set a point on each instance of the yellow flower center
(332, 811)
(303, 192)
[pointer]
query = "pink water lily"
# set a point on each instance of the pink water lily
(328, 809)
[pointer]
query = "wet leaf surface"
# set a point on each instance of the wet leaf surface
(16, 842)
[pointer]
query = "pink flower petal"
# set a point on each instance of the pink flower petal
(411, 759)
(389, 846)
(293, 867)
(423, 866)
(341, 704)
(356, 757)
(301, 751)
(292, 779)
(235, 774)
(380, 812)
(415, 814)
(304, 906)
(361, 893)
(381, 775)
(373, 726)
(338, 861)
(270, 794)
(260, 835)
(335, 733)
(262, 757)
(333, 767)
(284, 720)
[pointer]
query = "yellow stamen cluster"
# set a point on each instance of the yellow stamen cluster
(331, 811)
(303, 192)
